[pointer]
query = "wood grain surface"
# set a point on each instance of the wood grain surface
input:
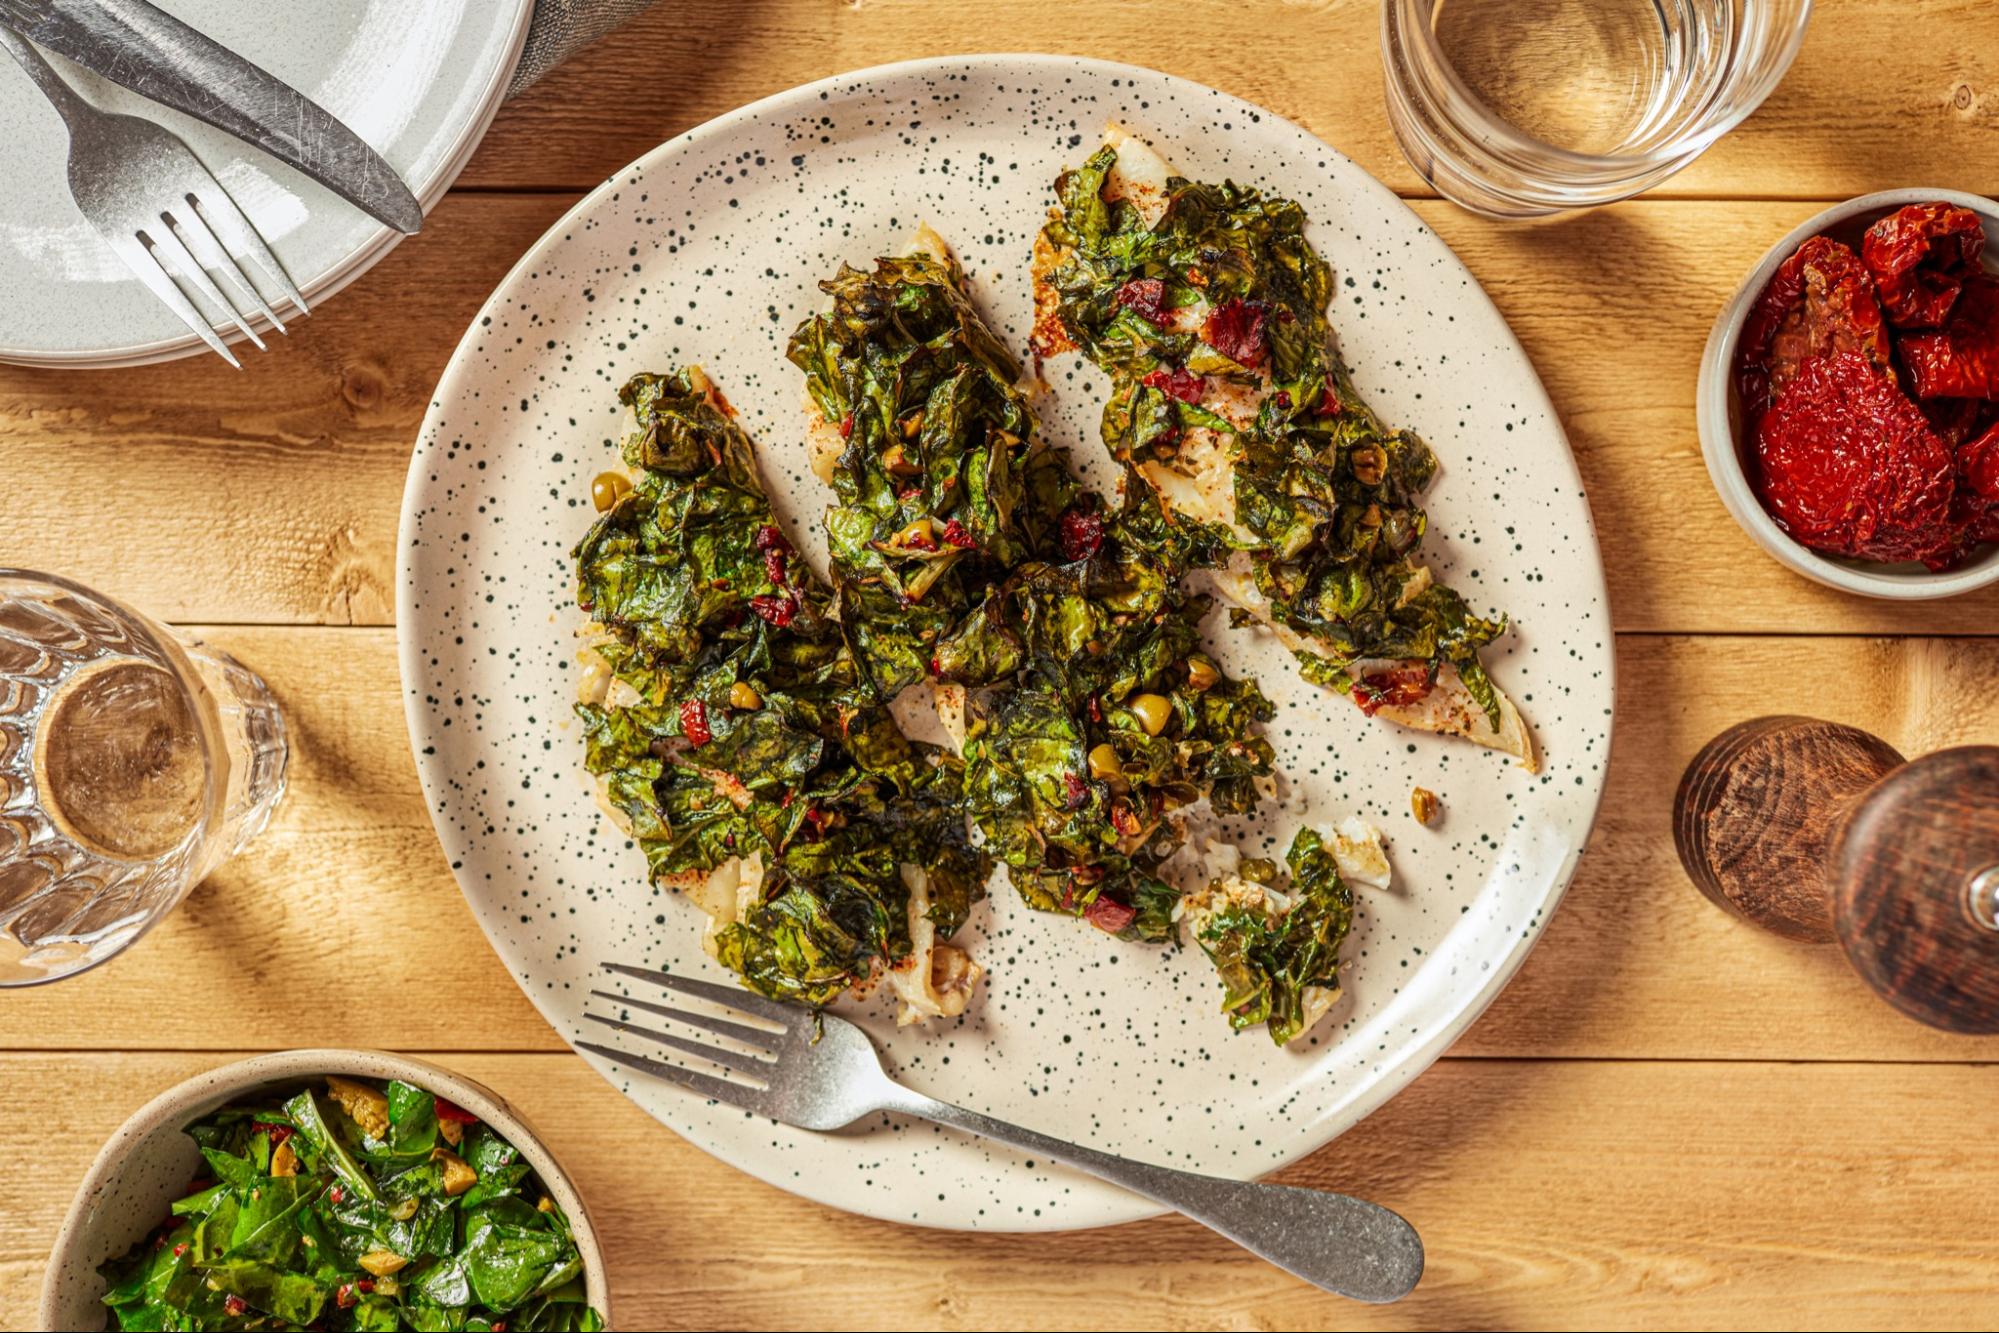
(1670, 1119)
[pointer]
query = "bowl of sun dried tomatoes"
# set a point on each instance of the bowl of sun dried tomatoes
(1849, 397)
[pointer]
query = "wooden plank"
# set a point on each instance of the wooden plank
(343, 926)
(203, 493)
(285, 482)
(1550, 1195)
(1924, 112)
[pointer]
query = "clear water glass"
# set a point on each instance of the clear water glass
(1522, 108)
(133, 761)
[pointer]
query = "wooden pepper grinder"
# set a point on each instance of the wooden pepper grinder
(1822, 832)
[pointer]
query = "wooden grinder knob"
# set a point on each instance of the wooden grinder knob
(1822, 832)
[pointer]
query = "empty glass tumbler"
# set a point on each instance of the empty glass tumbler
(1520, 108)
(133, 761)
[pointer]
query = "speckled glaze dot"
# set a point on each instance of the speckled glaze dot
(709, 250)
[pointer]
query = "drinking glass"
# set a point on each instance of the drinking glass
(133, 761)
(1521, 108)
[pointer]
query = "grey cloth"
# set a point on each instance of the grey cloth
(561, 28)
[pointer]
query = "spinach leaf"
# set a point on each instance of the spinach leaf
(412, 1119)
(506, 1260)
(323, 1148)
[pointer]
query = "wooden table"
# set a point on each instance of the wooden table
(1667, 1120)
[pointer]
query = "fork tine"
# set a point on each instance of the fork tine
(195, 234)
(205, 255)
(736, 1060)
(141, 261)
(727, 996)
(716, 1089)
(759, 1038)
(228, 222)
(163, 242)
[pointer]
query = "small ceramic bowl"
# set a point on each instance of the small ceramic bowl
(1720, 415)
(146, 1166)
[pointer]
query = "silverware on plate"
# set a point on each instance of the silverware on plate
(820, 1072)
(154, 203)
(139, 46)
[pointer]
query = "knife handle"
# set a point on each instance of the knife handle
(73, 109)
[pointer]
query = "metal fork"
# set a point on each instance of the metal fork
(154, 203)
(820, 1072)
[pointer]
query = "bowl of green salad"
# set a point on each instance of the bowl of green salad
(328, 1189)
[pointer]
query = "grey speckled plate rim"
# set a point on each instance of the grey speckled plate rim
(435, 785)
(196, 1095)
(321, 286)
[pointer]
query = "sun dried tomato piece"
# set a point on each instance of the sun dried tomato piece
(1082, 534)
(1329, 399)
(1146, 298)
(1108, 914)
(1960, 360)
(1180, 383)
(1920, 257)
(1848, 465)
(847, 426)
(958, 535)
(1956, 420)
(1397, 687)
(1821, 300)
(278, 1133)
(1978, 486)
(770, 537)
(694, 722)
(779, 611)
(1235, 329)
(1074, 790)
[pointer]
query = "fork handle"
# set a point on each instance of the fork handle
(1336, 1242)
(73, 109)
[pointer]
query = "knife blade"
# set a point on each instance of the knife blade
(141, 47)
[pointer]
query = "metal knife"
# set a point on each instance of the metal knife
(138, 46)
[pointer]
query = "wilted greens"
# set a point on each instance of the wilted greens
(1210, 317)
(966, 555)
(731, 724)
(942, 488)
(738, 710)
(355, 1207)
(1276, 946)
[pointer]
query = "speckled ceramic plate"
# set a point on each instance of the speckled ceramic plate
(708, 249)
(418, 79)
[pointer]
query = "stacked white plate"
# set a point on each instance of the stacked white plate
(419, 80)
